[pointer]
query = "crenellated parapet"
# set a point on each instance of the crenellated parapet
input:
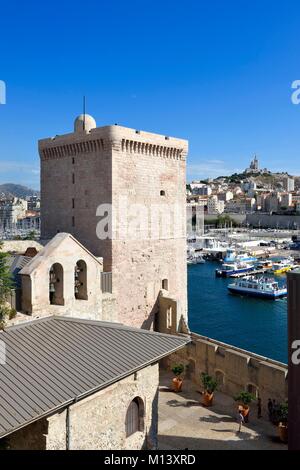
(155, 150)
(117, 138)
(68, 150)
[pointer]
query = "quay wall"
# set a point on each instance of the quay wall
(273, 221)
(234, 368)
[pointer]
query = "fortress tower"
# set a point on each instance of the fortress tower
(130, 171)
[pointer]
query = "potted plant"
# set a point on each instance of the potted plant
(210, 385)
(177, 381)
(244, 399)
(283, 422)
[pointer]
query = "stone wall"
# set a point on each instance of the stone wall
(109, 312)
(65, 251)
(273, 221)
(151, 180)
(98, 421)
(235, 369)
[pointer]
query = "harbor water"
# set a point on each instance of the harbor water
(254, 324)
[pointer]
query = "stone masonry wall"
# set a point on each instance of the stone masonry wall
(238, 368)
(73, 185)
(35, 284)
(148, 183)
(98, 421)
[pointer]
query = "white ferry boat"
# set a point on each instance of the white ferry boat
(228, 269)
(258, 287)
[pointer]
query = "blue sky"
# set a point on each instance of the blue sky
(218, 73)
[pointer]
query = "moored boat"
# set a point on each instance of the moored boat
(228, 269)
(233, 257)
(264, 264)
(283, 266)
(195, 258)
(258, 287)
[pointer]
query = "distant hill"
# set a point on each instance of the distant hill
(17, 190)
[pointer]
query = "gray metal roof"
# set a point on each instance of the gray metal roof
(16, 263)
(53, 361)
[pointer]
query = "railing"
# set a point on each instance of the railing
(106, 282)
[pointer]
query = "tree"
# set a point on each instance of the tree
(6, 283)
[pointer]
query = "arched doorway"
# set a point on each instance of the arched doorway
(134, 421)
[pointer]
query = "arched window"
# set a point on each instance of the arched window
(56, 284)
(135, 417)
(253, 389)
(80, 281)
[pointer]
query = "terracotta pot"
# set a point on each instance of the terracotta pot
(283, 432)
(245, 410)
(177, 384)
(208, 399)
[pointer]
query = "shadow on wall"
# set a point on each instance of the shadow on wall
(151, 437)
(151, 323)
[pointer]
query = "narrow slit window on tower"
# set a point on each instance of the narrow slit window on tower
(165, 284)
(73, 161)
(73, 221)
(73, 178)
(73, 203)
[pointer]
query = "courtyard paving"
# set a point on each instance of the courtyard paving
(185, 424)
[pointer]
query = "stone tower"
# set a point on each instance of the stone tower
(135, 173)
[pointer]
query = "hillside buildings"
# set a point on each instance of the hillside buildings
(255, 191)
(215, 206)
(288, 184)
(19, 217)
(11, 210)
